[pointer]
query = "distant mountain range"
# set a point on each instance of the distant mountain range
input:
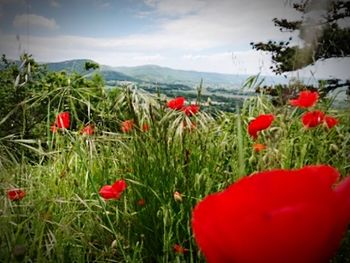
(160, 75)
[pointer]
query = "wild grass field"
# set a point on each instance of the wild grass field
(63, 207)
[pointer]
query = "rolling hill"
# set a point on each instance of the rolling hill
(160, 75)
(76, 65)
(154, 73)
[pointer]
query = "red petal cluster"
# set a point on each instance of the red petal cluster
(190, 110)
(127, 126)
(141, 202)
(177, 103)
(113, 191)
(63, 120)
(284, 216)
(259, 147)
(145, 127)
(88, 130)
(306, 99)
(312, 118)
(15, 194)
(330, 121)
(178, 249)
(260, 123)
(53, 128)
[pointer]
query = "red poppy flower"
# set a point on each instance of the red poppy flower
(127, 126)
(88, 130)
(261, 122)
(63, 120)
(176, 104)
(284, 216)
(306, 99)
(53, 128)
(259, 147)
(141, 202)
(312, 118)
(145, 127)
(113, 191)
(330, 121)
(178, 249)
(190, 110)
(15, 194)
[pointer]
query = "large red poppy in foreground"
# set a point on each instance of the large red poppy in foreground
(289, 216)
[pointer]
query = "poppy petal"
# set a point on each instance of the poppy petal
(306, 99)
(260, 123)
(63, 120)
(277, 214)
(15, 194)
(312, 118)
(330, 121)
(190, 110)
(119, 185)
(176, 103)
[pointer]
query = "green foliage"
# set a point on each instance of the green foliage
(18, 85)
(31, 97)
(91, 65)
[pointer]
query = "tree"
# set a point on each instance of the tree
(91, 65)
(324, 37)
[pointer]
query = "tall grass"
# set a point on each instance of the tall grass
(63, 219)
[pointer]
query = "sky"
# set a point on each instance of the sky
(201, 35)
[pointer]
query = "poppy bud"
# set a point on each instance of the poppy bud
(177, 197)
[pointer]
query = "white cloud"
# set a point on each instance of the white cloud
(117, 52)
(6, 2)
(146, 59)
(24, 20)
(55, 3)
(230, 22)
(135, 43)
(174, 8)
(207, 24)
(102, 3)
(243, 62)
(105, 5)
(145, 44)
